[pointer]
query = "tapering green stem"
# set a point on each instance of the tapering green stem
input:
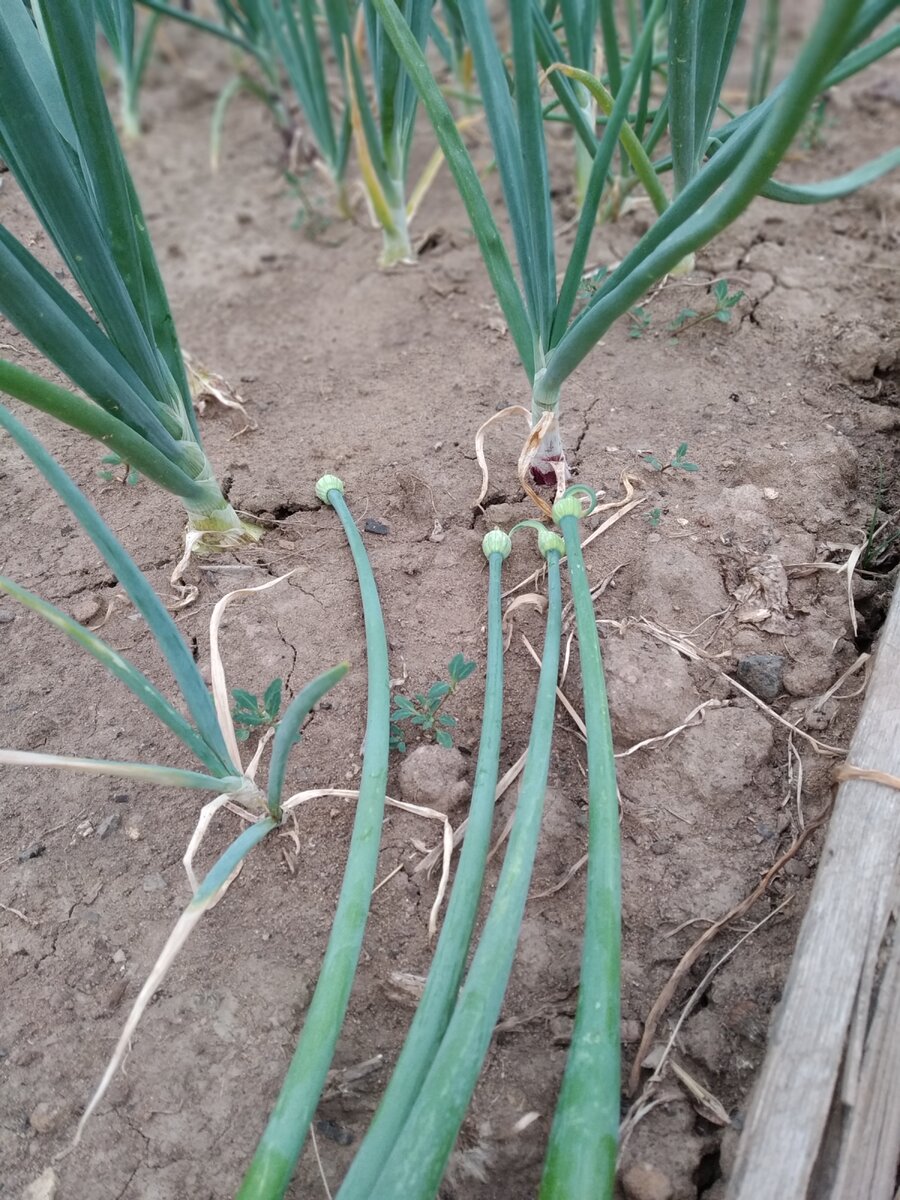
(439, 996)
(420, 1153)
(279, 1148)
(581, 1155)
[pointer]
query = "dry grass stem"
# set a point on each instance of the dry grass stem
(621, 509)
(315, 1149)
(695, 654)
(209, 386)
(693, 953)
(479, 444)
(508, 779)
(417, 810)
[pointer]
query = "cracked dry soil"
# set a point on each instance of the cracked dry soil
(790, 412)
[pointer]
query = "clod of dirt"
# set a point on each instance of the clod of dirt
(502, 514)
(85, 611)
(435, 777)
(44, 1187)
(724, 755)
(762, 674)
(6, 617)
(45, 1117)
(547, 957)
(860, 352)
(646, 1182)
(814, 667)
(650, 688)
(686, 586)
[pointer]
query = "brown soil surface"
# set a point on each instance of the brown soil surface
(790, 411)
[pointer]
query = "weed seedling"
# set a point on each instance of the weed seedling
(640, 322)
(725, 303)
(130, 477)
(424, 709)
(251, 713)
(654, 516)
(678, 462)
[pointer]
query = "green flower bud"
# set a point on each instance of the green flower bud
(496, 542)
(549, 540)
(567, 506)
(326, 484)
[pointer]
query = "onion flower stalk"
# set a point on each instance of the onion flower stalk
(580, 1162)
(282, 1140)
(58, 139)
(420, 1151)
(720, 171)
(442, 985)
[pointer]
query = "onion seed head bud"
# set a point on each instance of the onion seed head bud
(496, 542)
(326, 484)
(549, 540)
(567, 506)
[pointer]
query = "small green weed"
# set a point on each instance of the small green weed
(678, 461)
(640, 322)
(654, 516)
(130, 477)
(725, 303)
(424, 709)
(591, 283)
(251, 713)
(881, 540)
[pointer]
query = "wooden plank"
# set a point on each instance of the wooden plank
(825, 1111)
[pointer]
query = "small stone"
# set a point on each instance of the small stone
(112, 996)
(771, 493)
(631, 1032)
(119, 956)
(154, 883)
(84, 828)
(763, 674)
(45, 1117)
(334, 1132)
(434, 776)
(6, 617)
(44, 1187)
(132, 833)
(34, 851)
(121, 798)
(797, 868)
(108, 825)
(646, 1182)
(85, 611)
(372, 526)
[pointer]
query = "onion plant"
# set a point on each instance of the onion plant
(279, 1148)
(719, 170)
(131, 48)
(580, 1162)
(283, 42)
(208, 732)
(384, 130)
(57, 137)
(439, 996)
(414, 1161)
